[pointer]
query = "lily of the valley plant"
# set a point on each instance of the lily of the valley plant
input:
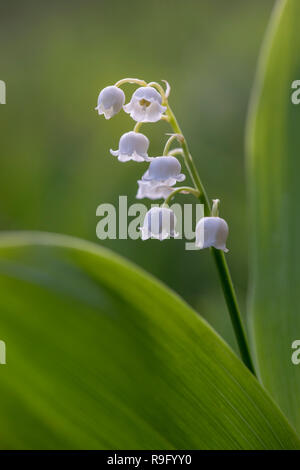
(150, 103)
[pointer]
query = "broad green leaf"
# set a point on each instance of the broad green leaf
(101, 355)
(274, 168)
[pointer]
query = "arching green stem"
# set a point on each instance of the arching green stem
(135, 81)
(160, 90)
(170, 141)
(137, 127)
(177, 151)
(181, 189)
(219, 257)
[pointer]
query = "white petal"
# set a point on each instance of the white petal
(127, 108)
(169, 182)
(180, 177)
(154, 112)
(108, 113)
(145, 233)
(140, 158)
(135, 157)
(150, 191)
(122, 157)
(136, 111)
(147, 93)
(100, 109)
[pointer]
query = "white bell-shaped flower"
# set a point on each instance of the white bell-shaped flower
(132, 146)
(145, 105)
(157, 182)
(159, 223)
(152, 190)
(164, 170)
(212, 231)
(110, 101)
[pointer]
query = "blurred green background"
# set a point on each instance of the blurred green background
(54, 149)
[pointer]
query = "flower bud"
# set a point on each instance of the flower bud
(110, 101)
(212, 231)
(145, 105)
(159, 223)
(132, 146)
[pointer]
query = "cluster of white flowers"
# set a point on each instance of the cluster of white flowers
(158, 182)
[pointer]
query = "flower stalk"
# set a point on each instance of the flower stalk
(181, 189)
(169, 142)
(219, 257)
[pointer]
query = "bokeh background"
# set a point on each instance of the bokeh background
(55, 166)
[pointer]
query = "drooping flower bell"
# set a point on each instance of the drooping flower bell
(147, 189)
(145, 105)
(164, 169)
(159, 223)
(157, 182)
(212, 231)
(132, 146)
(110, 101)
